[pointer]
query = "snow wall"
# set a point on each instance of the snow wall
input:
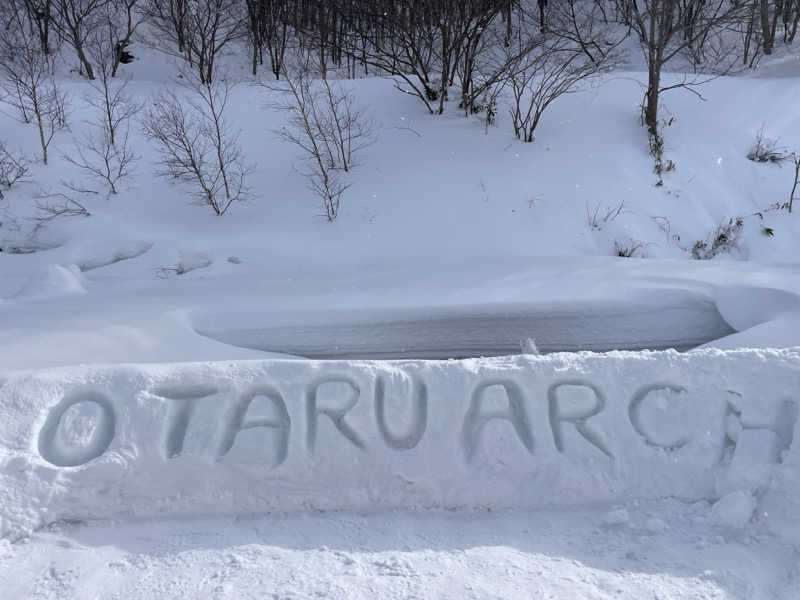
(95, 442)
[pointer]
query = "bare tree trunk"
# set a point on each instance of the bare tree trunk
(767, 31)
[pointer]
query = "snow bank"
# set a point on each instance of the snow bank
(244, 437)
(52, 281)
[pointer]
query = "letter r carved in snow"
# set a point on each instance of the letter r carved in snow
(336, 415)
(557, 418)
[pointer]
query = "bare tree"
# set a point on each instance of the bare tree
(110, 98)
(328, 127)
(99, 158)
(13, 168)
(77, 19)
(197, 30)
(196, 143)
(485, 69)
(28, 85)
(268, 25)
(554, 66)
(400, 39)
(661, 37)
(121, 19)
(41, 15)
(168, 20)
(769, 13)
(52, 206)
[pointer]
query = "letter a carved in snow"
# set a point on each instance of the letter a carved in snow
(239, 421)
(476, 417)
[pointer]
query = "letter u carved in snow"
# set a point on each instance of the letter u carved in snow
(419, 399)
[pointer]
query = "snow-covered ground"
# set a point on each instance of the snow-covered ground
(441, 218)
(658, 474)
(667, 550)
(451, 242)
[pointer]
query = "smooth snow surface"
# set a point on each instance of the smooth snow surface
(667, 319)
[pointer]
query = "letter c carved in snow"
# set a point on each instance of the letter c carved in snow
(634, 410)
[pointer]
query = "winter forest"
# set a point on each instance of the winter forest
(478, 58)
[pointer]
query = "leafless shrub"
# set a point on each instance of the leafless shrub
(485, 78)
(722, 240)
(766, 150)
(554, 66)
(183, 266)
(630, 249)
(197, 144)
(656, 142)
(325, 123)
(103, 152)
(794, 157)
(600, 217)
(13, 167)
(53, 206)
(110, 99)
(796, 161)
(99, 158)
(664, 224)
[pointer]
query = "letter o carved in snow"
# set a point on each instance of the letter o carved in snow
(71, 440)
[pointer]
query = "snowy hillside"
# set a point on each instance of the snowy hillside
(440, 214)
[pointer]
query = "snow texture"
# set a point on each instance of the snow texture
(232, 438)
